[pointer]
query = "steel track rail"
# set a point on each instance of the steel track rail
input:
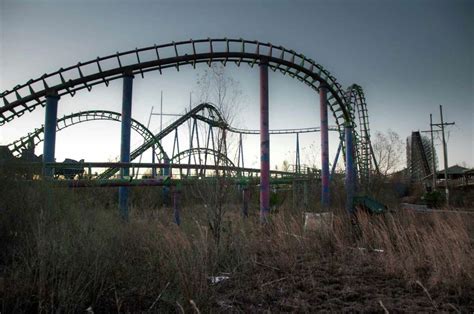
(363, 152)
(201, 150)
(113, 165)
(36, 136)
(193, 113)
(215, 119)
(102, 70)
(282, 131)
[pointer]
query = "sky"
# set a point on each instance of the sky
(409, 56)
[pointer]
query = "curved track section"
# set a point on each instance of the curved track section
(204, 112)
(207, 153)
(36, 136)
(209, 114)
(86, 75)
(363, 148)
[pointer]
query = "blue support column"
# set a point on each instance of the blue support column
(323, 105)
(335, 161)
(349, 168)
(153, 169)
(264, 144)
(50, 122)
(125, 141)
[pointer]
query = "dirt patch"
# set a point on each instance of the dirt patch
(331, 285)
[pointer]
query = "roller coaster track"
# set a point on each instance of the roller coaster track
(36, 136)
(282, 131)
(363, 148)
(419, 157)
(212, 112)
(102, 70)
(209, 114)
(215, 119)
(223, 159)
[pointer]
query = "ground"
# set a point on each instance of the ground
(332, 285)
(65, 251)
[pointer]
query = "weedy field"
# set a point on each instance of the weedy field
(67, 250)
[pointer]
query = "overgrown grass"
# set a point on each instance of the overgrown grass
(67, 250)
(433, 247)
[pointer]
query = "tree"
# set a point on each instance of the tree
(217, 87)
(388, 150)
(214, 85)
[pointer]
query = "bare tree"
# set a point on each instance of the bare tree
(388, 150)
(214, 85)
(217, 87)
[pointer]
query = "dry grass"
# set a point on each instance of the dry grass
(435, 248)
(63, 251)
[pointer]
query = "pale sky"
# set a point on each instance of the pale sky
(409, 57)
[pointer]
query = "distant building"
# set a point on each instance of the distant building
(469, 177)
(454, 173)
(458, 176)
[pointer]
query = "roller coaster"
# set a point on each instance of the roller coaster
(200, 155)
(207, 152)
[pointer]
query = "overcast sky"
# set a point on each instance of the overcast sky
(409, 57)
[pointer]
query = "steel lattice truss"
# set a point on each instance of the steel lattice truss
(419, 157)
(102, 70)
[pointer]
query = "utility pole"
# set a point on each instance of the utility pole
(433, 161)
(445, 150)
(445, 154)
(161, 114)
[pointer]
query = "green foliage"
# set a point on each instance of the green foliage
(434, 199)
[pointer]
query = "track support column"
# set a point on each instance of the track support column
(349, 168)
(125, 141)
(50, 122)
(333, 169)
(298, 159)
(153, 169)
(264, 144)
(324, 146)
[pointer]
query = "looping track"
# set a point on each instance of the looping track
(102, 70)
(363, 153)
(80, 117)
(206, 112)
